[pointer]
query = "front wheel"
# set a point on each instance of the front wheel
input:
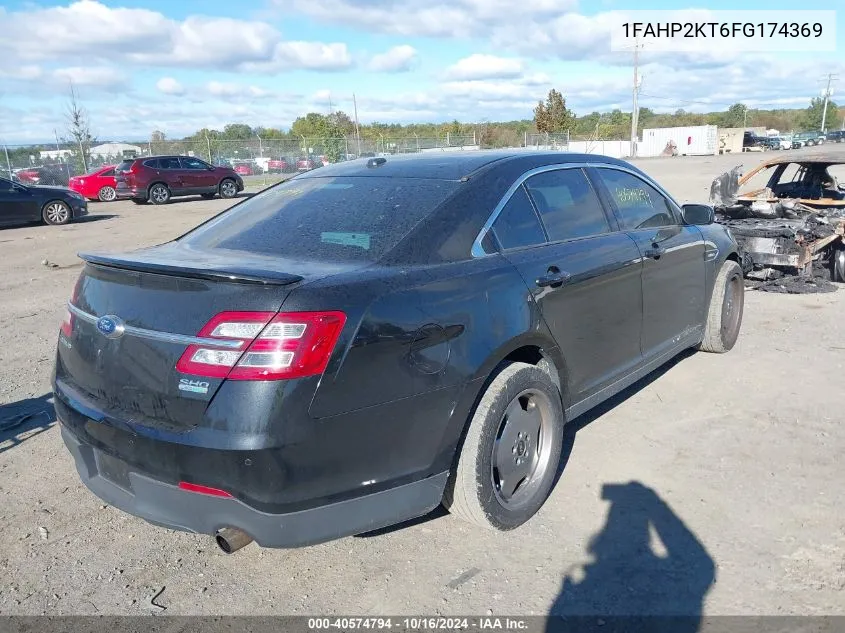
(56, 213)
(724, 318)
(106, 194)
(228, 188)
(509, 459)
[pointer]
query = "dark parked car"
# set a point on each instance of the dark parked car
(21, 203)
(835, 136)
(157, 179)
(351, 348)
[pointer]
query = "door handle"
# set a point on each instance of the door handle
(553, 277)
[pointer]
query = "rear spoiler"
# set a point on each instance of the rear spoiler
(227, 273)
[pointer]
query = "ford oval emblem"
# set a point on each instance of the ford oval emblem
(110, 326)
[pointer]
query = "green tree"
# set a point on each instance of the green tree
(312, 125)
(553, 116)
(237, 132)
(735, 116)
(812, 116)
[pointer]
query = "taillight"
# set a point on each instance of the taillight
(67, 322)
(272, 346)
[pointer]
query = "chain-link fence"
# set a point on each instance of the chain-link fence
(547, 141)
(54, 164)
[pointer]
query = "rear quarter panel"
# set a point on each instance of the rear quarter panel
(418, 346)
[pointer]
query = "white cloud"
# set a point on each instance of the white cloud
(148, 38)
(99, 76)
(169, 86)
(485, 67)
(397, 59)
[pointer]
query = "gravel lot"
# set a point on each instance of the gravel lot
(738, 508)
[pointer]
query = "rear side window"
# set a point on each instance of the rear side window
(332, 219)
(152, 164)
(169, 162)
(517, 225)
(567, 204)
(108, 172)
(640, 205)
(194, 163)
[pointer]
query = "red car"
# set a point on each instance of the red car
(277, 165)
(245, 169)
(157, 179)
(96, 185)
(304, 164)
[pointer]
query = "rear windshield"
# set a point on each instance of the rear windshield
(337, 219)
(125, 165)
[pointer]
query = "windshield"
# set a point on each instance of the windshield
(334, 219)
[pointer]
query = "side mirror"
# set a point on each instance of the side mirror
(698, 214)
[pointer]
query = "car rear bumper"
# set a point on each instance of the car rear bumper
(167, 505)
(124, 193)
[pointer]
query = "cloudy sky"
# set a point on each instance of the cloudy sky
(179, 65)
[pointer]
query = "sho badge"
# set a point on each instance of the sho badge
(194, 386)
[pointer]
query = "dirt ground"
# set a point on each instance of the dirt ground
(710, 486)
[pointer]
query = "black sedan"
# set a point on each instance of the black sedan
(20, 204)
(351, 348)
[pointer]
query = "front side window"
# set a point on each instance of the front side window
(639, 204)
(518, 225)
(568, 206)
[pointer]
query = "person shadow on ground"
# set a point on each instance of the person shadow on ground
(649, 571)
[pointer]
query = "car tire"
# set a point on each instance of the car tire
(837, 265)
(159, 194)
(517, 429)
(56, 213)
(228, 188)
(724, 317)
(106, 194)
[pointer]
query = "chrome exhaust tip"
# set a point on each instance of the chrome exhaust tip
(230, 540)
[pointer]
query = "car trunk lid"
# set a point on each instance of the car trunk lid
(135, 314)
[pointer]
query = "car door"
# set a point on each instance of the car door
(583, 274)
(171, 170)
(673, 257)
(17, 204)
(197, 175)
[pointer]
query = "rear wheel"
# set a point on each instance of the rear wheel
(511, 451)
(106, 194)
(228, 188)
(724, 317)
(159, 194)
(56, 212)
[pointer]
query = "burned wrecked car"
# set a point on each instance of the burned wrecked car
(794, 224)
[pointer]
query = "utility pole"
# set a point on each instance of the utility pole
(635, 111)
(357, 131)
(331, 109)
(744, 115)
(830, 77)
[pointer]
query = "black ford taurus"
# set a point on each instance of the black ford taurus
(355, 346)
